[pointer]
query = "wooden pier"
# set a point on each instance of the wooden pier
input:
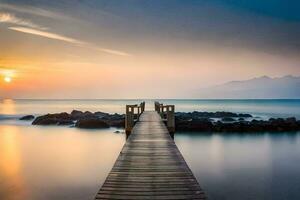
(150, 165)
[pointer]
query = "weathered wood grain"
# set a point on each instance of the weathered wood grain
(150, 166)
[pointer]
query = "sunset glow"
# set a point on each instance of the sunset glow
(101, 50)
(7, 79)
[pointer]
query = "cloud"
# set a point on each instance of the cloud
(12, 19)
(29, 27)
(46, 34)
(33, 11)
(111, 51)
(55, 36)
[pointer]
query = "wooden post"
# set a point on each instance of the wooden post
(129, 118)
(156, 106)
(143, 106)
(132, 116)
(139, 112)
(171, 118)
(167, 113)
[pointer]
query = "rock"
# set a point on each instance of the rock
(192, 122)
(115, 120)
(76, 114)
(91, 123)
(291, 120)
(196, 115)
(228, 119)
(53, 119)
(82, 115)
(202, 124)
(45, 120)
(27, 117)
(245, 115)
(101, 114)
(225, 114)
(65, 122)
(116, 123)
(88, 113)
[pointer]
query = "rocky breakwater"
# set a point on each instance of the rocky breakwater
(82, 119)
(232, 122)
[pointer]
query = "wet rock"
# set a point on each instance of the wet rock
(189, 122)
(101, 114)
(65, 122)
(202, 124)
(291, 120)
(91, 123)
(196, 115)
(75, 114)
(245, 115)
(228, 119)
(53, 119)
(27, 117)
(114, 120)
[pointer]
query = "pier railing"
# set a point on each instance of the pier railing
(167, 113)
(133, 113)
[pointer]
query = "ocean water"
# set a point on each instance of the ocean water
(268, 108)
(61, 163)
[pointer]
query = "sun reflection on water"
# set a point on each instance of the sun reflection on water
(10, 163)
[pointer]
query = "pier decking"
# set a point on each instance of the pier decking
(150, 166)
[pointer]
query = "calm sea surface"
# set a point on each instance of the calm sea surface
(61, 163)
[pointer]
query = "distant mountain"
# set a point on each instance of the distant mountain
(262, 87)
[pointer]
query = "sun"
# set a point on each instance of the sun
(7, 79)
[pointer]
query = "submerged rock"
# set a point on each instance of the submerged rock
(197, 115)
(91, 123)
(228, 119)
(76, 115)
(271, 125)
(245, 115)
(114, 120)
(27, 117)
(54, 119)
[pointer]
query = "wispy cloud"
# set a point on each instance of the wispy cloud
(33, 11)
(29, 27)
(46, 34)
(55, 36)
(12, 19)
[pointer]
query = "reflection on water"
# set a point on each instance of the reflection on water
(54, 162)
(45, 163)
(10, 164)
(248, 167)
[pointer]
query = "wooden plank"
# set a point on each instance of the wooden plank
(150, 166)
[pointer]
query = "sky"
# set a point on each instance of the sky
(142, 48)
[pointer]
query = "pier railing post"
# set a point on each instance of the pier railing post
(157, 106)
(129, 118)
(167, 113)
(171, 118)
(132, 116)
